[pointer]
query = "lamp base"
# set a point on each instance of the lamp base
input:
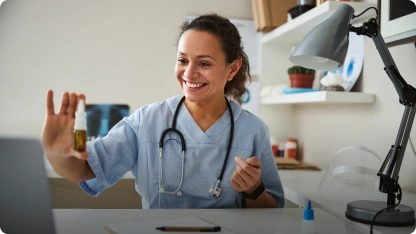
(363, 211)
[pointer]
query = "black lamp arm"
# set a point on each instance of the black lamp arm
(407, 96)
(405, 91)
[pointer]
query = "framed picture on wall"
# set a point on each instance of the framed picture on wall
(397, 21)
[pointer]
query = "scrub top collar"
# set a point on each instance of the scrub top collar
(190, 129)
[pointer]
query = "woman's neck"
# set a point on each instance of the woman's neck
(206, 114)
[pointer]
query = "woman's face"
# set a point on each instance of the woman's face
(201, 68)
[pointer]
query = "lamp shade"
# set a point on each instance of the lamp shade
(325, 47)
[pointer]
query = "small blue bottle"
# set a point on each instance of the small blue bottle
(308, 223)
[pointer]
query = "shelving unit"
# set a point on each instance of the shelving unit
(320, 97)
(275, 49)
(280, 41)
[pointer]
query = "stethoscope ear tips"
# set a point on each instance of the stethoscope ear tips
(179, 193)
(161, 190)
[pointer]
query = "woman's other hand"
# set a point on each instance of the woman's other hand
(246, 176)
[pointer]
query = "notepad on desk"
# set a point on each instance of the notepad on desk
(150, 226)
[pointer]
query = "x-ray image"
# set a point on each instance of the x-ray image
(102, 117)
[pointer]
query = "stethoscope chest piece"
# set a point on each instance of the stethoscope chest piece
(215, 190)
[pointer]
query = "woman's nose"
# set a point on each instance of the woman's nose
(190, 71)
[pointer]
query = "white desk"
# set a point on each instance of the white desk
(300, 186)
(235, 220)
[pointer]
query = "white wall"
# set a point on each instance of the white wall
(113, 51)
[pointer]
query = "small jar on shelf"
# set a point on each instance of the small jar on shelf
(290, 148)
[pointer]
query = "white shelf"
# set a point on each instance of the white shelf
(320, 97)
(293, 31)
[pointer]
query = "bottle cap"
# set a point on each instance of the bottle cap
(291, 140)
(308, 212)
(81, 107)
(80, 117)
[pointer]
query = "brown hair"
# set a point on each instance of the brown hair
(231, 45)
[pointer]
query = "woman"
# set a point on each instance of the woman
(227, 162)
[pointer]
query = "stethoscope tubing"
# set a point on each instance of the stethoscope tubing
(230, 141)
(162, 137)
(173, 129)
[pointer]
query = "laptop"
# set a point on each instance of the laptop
(25, 198)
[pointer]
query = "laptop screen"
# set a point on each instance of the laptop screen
(25, 198)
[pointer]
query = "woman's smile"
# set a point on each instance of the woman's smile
(194, 85)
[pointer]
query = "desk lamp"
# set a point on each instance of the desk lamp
(325, 48)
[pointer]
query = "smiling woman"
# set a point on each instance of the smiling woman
(206, 153)
(214, 49)
(202, 70)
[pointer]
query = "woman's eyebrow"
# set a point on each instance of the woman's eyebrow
(199, 56)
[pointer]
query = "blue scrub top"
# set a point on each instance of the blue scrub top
(133, 145)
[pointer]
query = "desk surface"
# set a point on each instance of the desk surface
(301, 186)
(235, 220)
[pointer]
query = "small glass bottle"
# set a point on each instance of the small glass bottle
(80, 128)
(290, 148)
(281, 150)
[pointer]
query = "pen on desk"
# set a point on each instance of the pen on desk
(190, 229)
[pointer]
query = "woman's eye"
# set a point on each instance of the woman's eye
(181, 61)
(204, 64)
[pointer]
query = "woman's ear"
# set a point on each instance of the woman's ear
(234, 67)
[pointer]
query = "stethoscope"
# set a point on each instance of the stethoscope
(215, 189)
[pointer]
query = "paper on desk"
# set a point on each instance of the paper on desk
(150, 226)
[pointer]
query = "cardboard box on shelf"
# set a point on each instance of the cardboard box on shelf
(269, 14)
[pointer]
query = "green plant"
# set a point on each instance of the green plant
(300, 70)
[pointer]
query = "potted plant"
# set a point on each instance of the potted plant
(301, 77)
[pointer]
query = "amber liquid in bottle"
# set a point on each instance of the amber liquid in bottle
(80, 128)
(80, 140)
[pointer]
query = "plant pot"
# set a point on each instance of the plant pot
(301, 80)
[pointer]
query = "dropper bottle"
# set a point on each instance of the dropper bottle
(308, 223)
(80, 128)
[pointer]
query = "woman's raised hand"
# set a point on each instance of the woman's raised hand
(58, 130)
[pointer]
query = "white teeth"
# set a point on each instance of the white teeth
(194, 85)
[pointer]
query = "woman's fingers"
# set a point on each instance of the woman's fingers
(235, 184)
(64, 103)
(69, 103)
(238, 182)
(246, 173)
(247, 178)
(50, 107)
(254, 161)
(248, 169)
(72, 104)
